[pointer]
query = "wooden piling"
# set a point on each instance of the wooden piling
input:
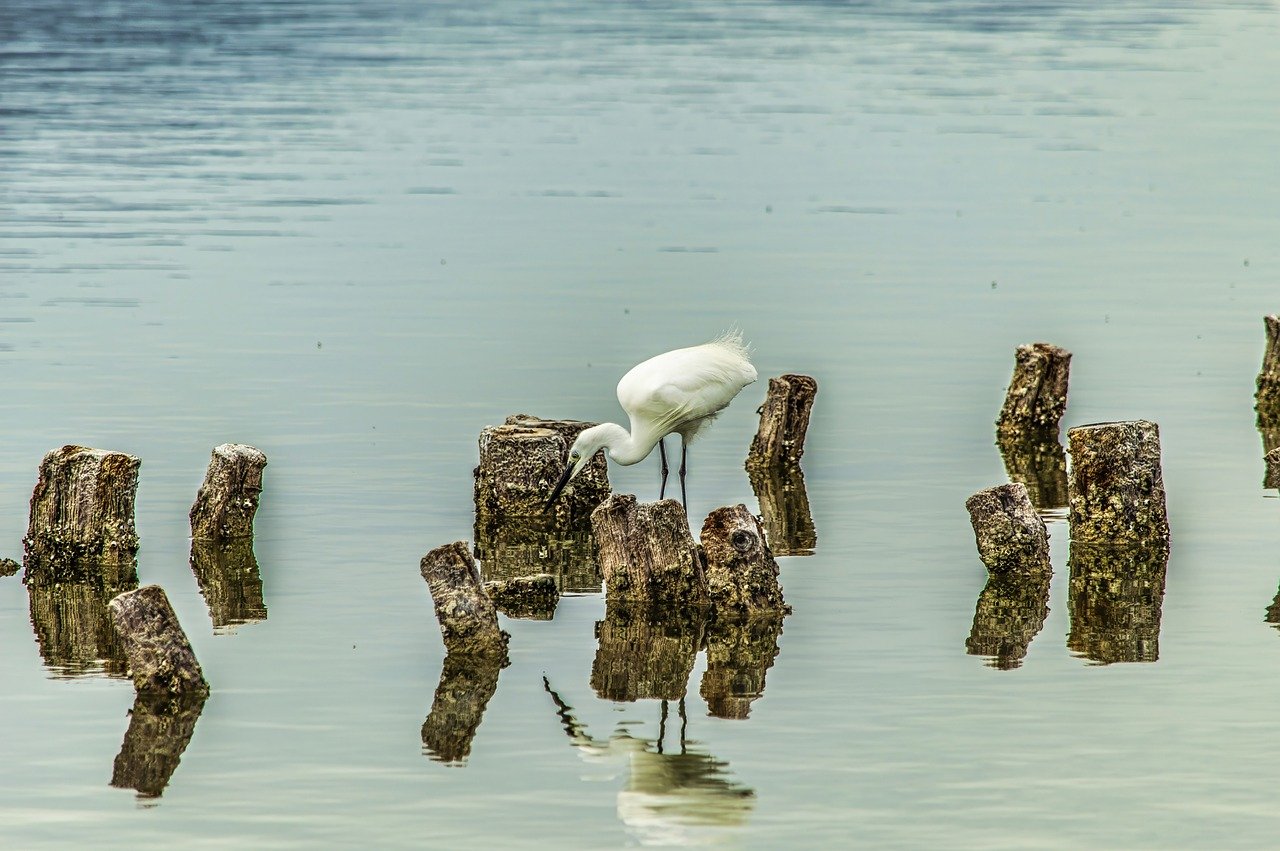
(532, 597)
(81, 519)
(73, 627)
(1268, 392)
(1011, 536)
(1272, 478)
(742, 576)
(1037, 394)
(160, 657)
(228, 499)
(647, 553)
(521, 461)
(468, 620)
(784, 421)
(1116, 487)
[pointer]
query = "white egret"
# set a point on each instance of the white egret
(677, 392)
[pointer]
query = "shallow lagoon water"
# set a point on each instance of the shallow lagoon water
(354, 234)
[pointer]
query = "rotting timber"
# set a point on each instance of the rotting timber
(222, 556)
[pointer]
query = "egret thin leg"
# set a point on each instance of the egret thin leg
(684, 451)
(662, 452)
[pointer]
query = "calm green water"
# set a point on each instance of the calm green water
(353, 234)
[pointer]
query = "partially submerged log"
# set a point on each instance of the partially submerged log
(468, 620)
(739, 654)
(81, 517)
(1272, 478)
(784, 421)
(742, 577)
(532, 597)
(160, 728)
(1116, 599)
(1011, 536)
(160, 658)
(1037, 394)
(647, 553)
(1040, 463)
(467, 683)
(646, 651)
(1117, 489)
(520, 463)
(784, 507)
(229, 581)
(228, 499)
(1011, 611)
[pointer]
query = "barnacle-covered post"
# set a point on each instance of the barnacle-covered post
(1012, 537)
(468, 620)
(1117, 487)
(161, 661)
(784, 421)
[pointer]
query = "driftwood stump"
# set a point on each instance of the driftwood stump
(646, 651)
(1272, 478)
(160, 728)
(160, 657)
(784, 420)
(521, 461)
(1117, 488)
(228, 498)
(1011, 611)
(1040, 463)
(532, 597)
(784, 507)
(468, 620)
(739, 654)
(1268, 394)
(742, 577)
(81, 520)
(1037, 394)
(1116, 598)
(229, 581)
(467, 683)
(1011, 536)
(647, 553)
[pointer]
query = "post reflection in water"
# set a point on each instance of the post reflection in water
(160, 727)
(527, 546)
(467, 683)
(738, 655)
(784, 508)
(1115, 603)
(646, 651)
(1040, 463)
(230, 582)
(680, 797)
(1010, 613)
(73, 627)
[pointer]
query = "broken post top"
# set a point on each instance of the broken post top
(468, 619)
(646, 551)
(1268, 395)
(1037, 394)
(520, 462)
(160, 657)
(1011, 535)
(1116, 485)
(742, 576)
(784, 421)
(228, 499)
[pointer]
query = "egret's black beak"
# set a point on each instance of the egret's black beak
(564, 480)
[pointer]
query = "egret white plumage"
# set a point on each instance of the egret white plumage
(677, 392)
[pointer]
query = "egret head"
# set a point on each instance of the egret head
(589, 442)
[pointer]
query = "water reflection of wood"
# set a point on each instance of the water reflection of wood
(739, 653)
(467, 683)
(1037, 460)
(1116, 598)
(528, 546)
(159, 730)
(784, 506)
(528, 597)
(670, 797)
(73, 628)
(646, 651)
(1010, 613)
(230, 582)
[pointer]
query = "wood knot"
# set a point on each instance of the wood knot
(743, 541)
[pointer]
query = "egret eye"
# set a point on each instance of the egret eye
(574, 456)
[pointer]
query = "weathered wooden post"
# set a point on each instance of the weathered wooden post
(646, 651)
(784, 421)
(647, 553)
(531, 597)
(742, 577)
(1011, 536)
(160, 728)
(1268, 393)
(1272, 478)
(160, 657)
(1037, 394)
(81, 524)
(468, 620)
(1011, 611)
(1117, 488)
(228, 499)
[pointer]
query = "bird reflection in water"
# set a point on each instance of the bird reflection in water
(680, 797)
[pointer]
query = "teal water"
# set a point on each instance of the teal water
(354, 234)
